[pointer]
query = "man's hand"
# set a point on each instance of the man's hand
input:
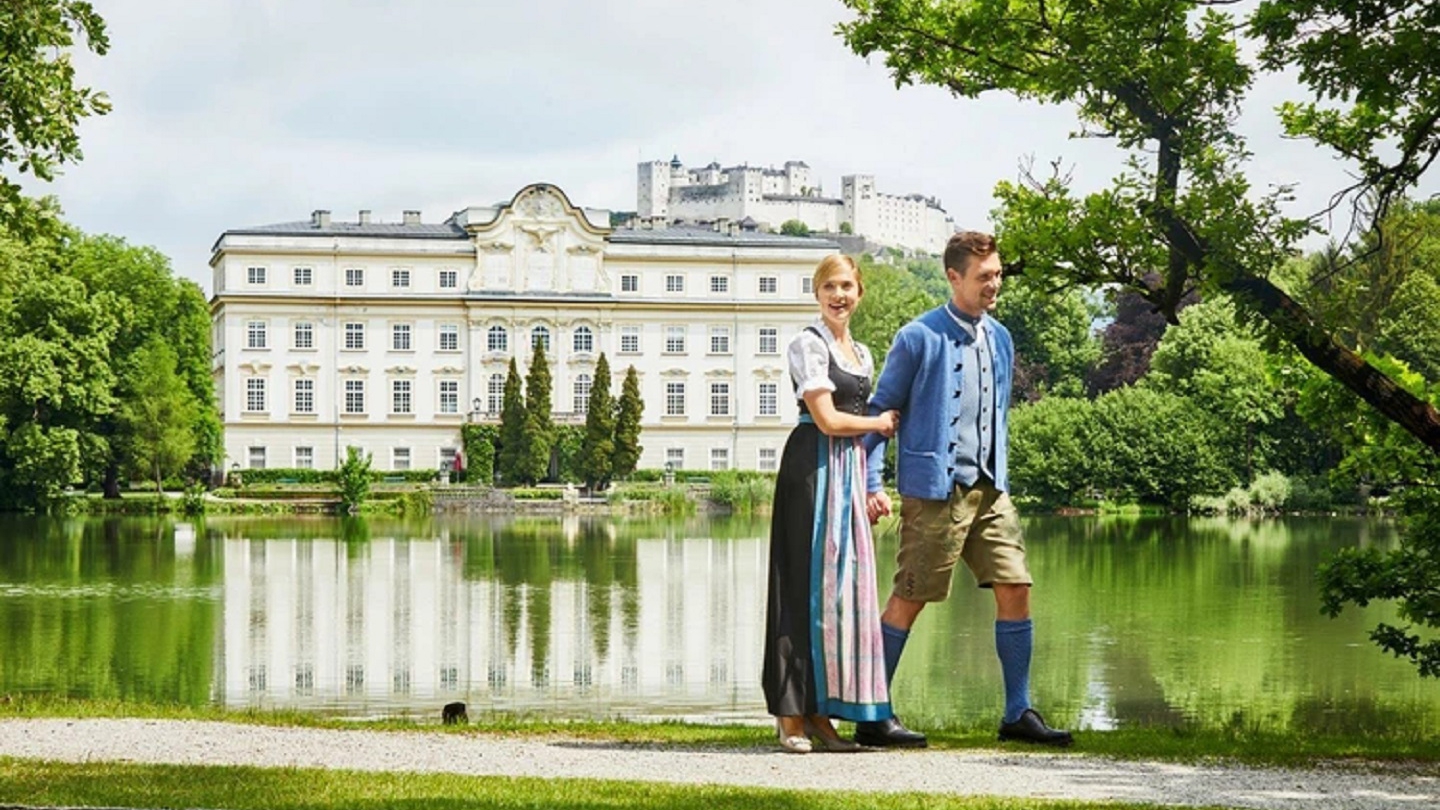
(877, 505)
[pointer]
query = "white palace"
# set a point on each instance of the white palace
(668, 191)
(390, 336)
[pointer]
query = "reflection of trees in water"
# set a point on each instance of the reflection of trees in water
(100, 616)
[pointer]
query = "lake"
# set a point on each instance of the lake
(1139, 621)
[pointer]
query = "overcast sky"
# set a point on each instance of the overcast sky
(230, 114)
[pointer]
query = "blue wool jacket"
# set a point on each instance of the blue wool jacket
(919, 380)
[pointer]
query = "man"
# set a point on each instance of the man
(948, 372)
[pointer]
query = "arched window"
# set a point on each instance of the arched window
(497, 339)
(582, 393)
(540, 336)
(495, 399)
(584, 340)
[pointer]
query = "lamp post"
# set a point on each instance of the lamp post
(475, 409)
(669, 473)
(235, 480)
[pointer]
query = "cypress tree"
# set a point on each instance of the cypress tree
(597, 452)
(512, 427)
(627, 426)
(539, 431)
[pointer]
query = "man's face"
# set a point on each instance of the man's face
(976, 290)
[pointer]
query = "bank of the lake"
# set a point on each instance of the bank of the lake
(149, 763)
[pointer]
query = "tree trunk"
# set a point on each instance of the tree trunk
(1317, 344)
(1321, 348)
(112, 482)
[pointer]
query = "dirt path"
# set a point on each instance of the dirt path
(1026, 775)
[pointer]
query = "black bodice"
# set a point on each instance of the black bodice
(852, 391)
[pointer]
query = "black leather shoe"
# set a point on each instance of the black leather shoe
(888, 734)
(1031, 728)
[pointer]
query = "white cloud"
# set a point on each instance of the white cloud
(229, 113)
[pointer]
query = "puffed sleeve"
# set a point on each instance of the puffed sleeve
(809, 359)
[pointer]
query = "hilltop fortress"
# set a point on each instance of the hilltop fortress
(767, 197)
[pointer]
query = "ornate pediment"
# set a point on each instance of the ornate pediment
(538, 244)
(304, 368)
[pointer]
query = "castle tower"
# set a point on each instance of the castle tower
(861, 206)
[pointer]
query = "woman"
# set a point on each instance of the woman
(823, 651)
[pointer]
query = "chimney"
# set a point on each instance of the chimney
(364, 216)
(412, 217)
(320, 218)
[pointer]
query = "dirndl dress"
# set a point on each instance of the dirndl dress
(824, 653)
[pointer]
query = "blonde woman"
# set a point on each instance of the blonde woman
(824, 656)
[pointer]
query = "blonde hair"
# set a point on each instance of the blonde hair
(834, 264)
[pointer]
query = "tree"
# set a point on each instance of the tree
(538, 436)
(597, 453)
(512, 426)
(354, 479)
(627, 426)
(479, 447)
(1054, 347)
(40, 104)
(893, 295)
(159, 417)
(157, 308)
(1164, 79)
(846, 228)
(794, 227)
(56, 382)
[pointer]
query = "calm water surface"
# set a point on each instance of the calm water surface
(1139, 622)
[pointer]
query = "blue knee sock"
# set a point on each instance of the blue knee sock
(1013, 642)
(894, 640)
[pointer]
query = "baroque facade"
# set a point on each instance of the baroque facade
(389, 336)
(668, 191)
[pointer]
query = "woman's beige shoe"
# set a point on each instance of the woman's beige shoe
(831, 741)
(792, 743)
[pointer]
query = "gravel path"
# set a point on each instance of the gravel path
(1027, 775)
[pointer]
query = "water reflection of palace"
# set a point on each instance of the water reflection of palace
(393, 625)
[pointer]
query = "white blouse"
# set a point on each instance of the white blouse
(809, 358)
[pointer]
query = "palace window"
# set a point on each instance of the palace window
(449, 279)
(399, 277)
(497, 339)
(675, 340)
(304, 276)
(304, 335)
(583, 340)
(449, 396)
(719, 285)
(355, 335)
(719, 399)
(674, 284)
(354, 277)
(255, 335)
(769, 399)
(495, 394)
(255, 275)
(255, 394)
(400, 337)
(304, 396)
(581, 402)
(629, 340)
(449, 337)
(674, 399)
(354, 396)
(719, 340)
(629, 283)
(305, 458)
(400, 396)
(769, 340)
(540, 337)
(768, 285)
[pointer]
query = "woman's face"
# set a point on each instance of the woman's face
(838, 295)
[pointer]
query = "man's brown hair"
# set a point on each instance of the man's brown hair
(965, 245)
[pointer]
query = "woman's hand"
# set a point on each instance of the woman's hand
(889, 421)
